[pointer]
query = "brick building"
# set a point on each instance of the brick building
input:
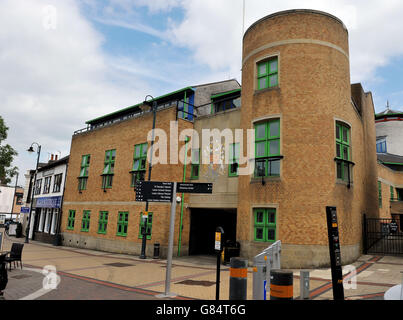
(389, 147)
(313, 146)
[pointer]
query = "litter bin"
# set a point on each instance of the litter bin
(57, 240)
(232, 249)
(18, 230)
(156, 251)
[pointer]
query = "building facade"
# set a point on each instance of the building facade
(313, 145)
(47, 200)
(389, 146)
(109, 156)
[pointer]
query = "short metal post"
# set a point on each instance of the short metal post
(401, 287)
(238, 279)
(304, 284)
(259, 276)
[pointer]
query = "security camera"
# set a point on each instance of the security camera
(178, 199)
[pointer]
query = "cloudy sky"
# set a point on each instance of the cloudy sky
(65, 62)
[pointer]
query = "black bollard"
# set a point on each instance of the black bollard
(156, 251)
(281, 285)
(238, 279)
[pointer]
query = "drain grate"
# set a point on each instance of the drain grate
(21, 276)
(197, 283)
(119, 264)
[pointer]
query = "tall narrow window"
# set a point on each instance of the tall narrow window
(139, 163)
(103, 222)
(380, 194)
(267, 149)
(123, 221)
(194, 174)
(85, 223)
(343, 152)
(46, 185)
(38, 186)
(57, 182)
(233, 160)
(71, 219)
(109, 166)
(83, 177)
(267, 73)
(392, 193)
(265, 225)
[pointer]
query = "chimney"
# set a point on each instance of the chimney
(55, 157)
(51, 157)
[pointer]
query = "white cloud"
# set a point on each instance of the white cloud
(53, 80)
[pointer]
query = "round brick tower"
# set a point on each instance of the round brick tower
(296, 95)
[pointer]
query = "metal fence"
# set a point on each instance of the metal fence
(383, 236)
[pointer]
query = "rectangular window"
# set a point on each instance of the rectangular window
(380, 194)
(38, 187)
(343, 151)
(85, 224)
(46, 185)
(194, 173)
(70, 220)
(265, 225)
(139, 163)
(392, 193)
(148, 225)
(233, 160)
(267, 73)
(109, 166)
(267, 149)
(103, 222)
(57, 182)
(84, 168)
(123, 221)
(381, 146)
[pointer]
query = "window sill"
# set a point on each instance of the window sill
(265, 179)
(344, 183)
(258, 91)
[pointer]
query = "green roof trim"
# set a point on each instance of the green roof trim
(388, 115)
(393, 163)
(139, 104)
(214, 96)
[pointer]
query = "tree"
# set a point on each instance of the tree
(7, 154)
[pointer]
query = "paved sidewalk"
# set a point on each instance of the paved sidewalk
(92, 275)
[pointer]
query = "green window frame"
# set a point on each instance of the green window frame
(103, 222)
(195, 167)
(267, 73)
(149, 225)
(85, 223)
(265, 224)
(139, 163)
(267, 148)
(234, 153)
(343, 151)
(380, 194)
(71, 219)
(392, 193)
(84, 169)
(109, 167)
(123, 224)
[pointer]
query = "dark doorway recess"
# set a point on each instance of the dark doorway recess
(203, 224)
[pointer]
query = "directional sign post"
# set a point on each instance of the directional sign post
(154, 191)
(185, 187)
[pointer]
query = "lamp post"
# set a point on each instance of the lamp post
(144, 229)
(31, 149)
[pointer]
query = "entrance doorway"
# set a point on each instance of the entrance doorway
(203, 224)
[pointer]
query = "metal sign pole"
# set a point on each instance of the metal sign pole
(170, 248)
